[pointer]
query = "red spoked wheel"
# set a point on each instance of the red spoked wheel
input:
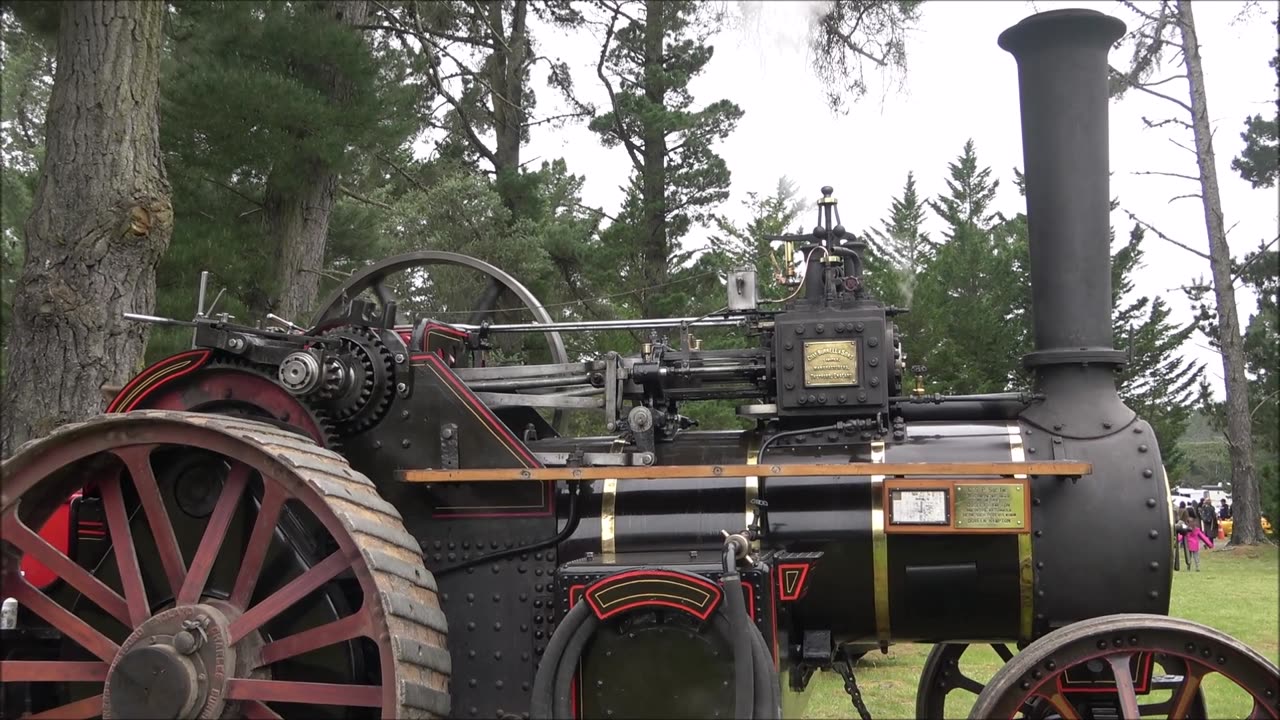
(1097, 666)
(246, 573)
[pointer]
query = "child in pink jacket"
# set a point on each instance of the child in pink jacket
(1194, 538)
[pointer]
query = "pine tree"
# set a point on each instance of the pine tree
(651, 51)
(266, 106)
(969, 322)
(849, 34)
(900, 247)
(1158, 383)
(1259, 161)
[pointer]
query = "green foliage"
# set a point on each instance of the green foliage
(900, 248)
(649, 62)
(1157, 383)
(850, 33)
(26, 79)
(1259, 161)
(969, 322)
(249, 99)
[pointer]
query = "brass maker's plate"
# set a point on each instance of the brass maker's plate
(990, 505)
(830, 362)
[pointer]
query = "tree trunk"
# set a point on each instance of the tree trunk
(506, 78)
(1246, 505)
(298, 203)
(101, 219)
(654, 251)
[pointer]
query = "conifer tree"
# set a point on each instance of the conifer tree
(651, 51)
(900, 247)
(969, 322)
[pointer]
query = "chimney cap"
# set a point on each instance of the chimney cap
(1053, 26)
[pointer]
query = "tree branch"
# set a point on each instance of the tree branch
(1164, 237)
(1185, 197)
(237, 193)
(368, 201)
(1170, 121)
(613, 98)
(403, 173)
(1162, 96)
(1184, 147)
(1166, 174)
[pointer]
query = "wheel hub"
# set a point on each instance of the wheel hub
(174, 666)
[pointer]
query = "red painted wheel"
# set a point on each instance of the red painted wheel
(250, 574)
(1074, 671)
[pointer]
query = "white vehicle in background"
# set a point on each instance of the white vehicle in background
(1217, 493)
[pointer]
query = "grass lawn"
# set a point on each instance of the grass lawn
(1235, 593)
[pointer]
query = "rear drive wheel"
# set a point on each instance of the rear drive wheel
(244, 572)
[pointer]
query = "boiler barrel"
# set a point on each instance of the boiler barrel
(880, 579)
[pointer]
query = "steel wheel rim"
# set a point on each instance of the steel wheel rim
(74, 448)
(1114, 640)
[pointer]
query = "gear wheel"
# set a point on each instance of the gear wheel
(371, 387)
(321, 417)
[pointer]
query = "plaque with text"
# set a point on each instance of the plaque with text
(830, 362)
(990, 506)
(920, 507)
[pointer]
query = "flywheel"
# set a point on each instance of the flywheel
(273, 583)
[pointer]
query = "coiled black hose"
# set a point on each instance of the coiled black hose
(756, 695)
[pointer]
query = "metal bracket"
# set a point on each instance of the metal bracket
(449, 446)
(588, 459)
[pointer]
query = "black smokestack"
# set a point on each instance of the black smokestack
(1063, 82)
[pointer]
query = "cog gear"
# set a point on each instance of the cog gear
(321, 417)
(371, 386)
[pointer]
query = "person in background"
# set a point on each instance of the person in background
(1208, 517)
(1224, 511)
(1194, 539)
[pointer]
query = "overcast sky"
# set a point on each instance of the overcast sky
(959, 85)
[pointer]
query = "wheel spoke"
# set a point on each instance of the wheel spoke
(257, 710)
(135, 591)
(90, 707)
(214, 533)
(307, 693)
(1003, 651)
(1124, 684)
(285, 597)
(26, 540)
(62, 619)
(1066, 710)
(1187, 691)
(1261, 712)
(52, 671)
(488, 298)
(259, 541)
(347, 628)
(138, 459)
(384, 295)
(964, 682)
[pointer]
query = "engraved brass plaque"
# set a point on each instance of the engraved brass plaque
(988, 506)
(830, 362)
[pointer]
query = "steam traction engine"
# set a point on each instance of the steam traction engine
(370, 518)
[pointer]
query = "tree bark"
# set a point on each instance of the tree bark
(655, 253)
(1246, 504)
(506, 80)
(298, 203)
(101, 219)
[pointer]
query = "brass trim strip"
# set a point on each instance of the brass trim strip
(1056, 468)
(608, 513)
(752, 485)
(608, 520)
(879, 549)
(1026, 575)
